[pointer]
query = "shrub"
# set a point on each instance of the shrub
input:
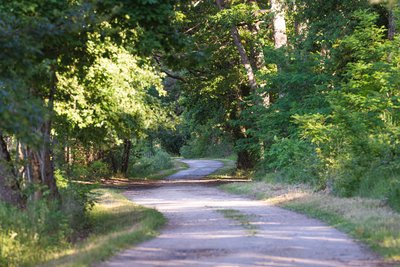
(77, 200)
(295, 160)
(97, 170)
(79, 171)
(94, 171)
(149, 164)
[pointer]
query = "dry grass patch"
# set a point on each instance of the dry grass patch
(369, 220)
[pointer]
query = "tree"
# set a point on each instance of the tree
(279, 23)
(45, 51)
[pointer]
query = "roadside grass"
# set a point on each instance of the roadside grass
(241, 218)
(368, 220)
(117, 223)
(159, 175)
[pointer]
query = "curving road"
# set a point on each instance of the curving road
(198, 234)
(197, 169)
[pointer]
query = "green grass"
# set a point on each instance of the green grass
(368, 220)
(241, 218)
(117, 223)
(159, 175)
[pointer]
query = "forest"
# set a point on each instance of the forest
(308, 91)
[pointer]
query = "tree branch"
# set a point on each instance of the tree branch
(169, 74)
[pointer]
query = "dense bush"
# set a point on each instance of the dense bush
(147, 164)
(96, 170)
(295, 161)
(76, 202)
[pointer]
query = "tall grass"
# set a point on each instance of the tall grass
(27, 236)
(117, 223)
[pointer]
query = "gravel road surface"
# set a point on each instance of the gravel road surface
(198, 233)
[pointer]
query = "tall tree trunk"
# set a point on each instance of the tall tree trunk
(9, 187)
(46, 153)
(242, 52)
(280, 37)
(125, 156)
(245, 160)
(41, 160)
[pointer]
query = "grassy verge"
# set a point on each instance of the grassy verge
(117, 223)
(368, 220)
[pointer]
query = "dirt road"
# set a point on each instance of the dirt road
(207, 227)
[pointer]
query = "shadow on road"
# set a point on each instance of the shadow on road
(129, 184)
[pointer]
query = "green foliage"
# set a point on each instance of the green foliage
(394, 195)
(98, 170)
(112, 99)
(207, 142)
(295, 160)
(359, 134)
(76, 202)
(19, 114)
(157, 161)
(94, 171)
(78, 171)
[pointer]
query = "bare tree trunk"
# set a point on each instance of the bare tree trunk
(9, 187)
(114, 164)
(245, 160)
(280, 37)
